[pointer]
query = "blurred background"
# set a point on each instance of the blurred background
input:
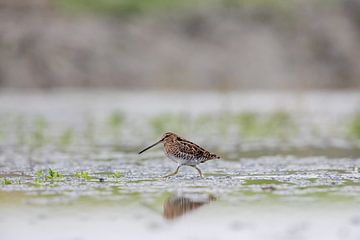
(189, 45)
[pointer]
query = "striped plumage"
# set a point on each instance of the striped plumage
(183, 152)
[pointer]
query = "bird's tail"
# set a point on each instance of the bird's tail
(214, 156)
(210, 156)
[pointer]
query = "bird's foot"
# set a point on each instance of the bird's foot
(174, 173)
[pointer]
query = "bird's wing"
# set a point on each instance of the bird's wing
(190, 148)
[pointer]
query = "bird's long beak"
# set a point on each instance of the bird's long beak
(150, 146)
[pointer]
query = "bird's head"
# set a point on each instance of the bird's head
(166, 137)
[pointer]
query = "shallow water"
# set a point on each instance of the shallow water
(279, 196)
(299, 185)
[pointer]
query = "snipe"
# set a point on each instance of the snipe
(183, 152)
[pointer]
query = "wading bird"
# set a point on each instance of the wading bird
(183, 152)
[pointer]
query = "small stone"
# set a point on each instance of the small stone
(268, 188)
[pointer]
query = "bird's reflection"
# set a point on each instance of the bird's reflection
(176, 206)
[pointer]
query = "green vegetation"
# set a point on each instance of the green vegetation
(52, 175)
(37, 182)
(312, 180)
(351, 183)
(37, 132)
(328, 196)
(354, 129)
(277, 124)
(262, 181)
(39, 173)
(157, 202)
(121, 8)
(82, 174)
(116, 174)
(90, 130)
(280, 124)
(7, 181)
(249, 124)
(115, 120)
(38, 135)
(66, 138)
(39, 177)
(114, 123)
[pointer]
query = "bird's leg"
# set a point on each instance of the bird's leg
(199, 171)
(174, 173)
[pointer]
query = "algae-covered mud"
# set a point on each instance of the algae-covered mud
(69, 167)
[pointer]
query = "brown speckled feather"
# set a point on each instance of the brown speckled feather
(194, 150)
